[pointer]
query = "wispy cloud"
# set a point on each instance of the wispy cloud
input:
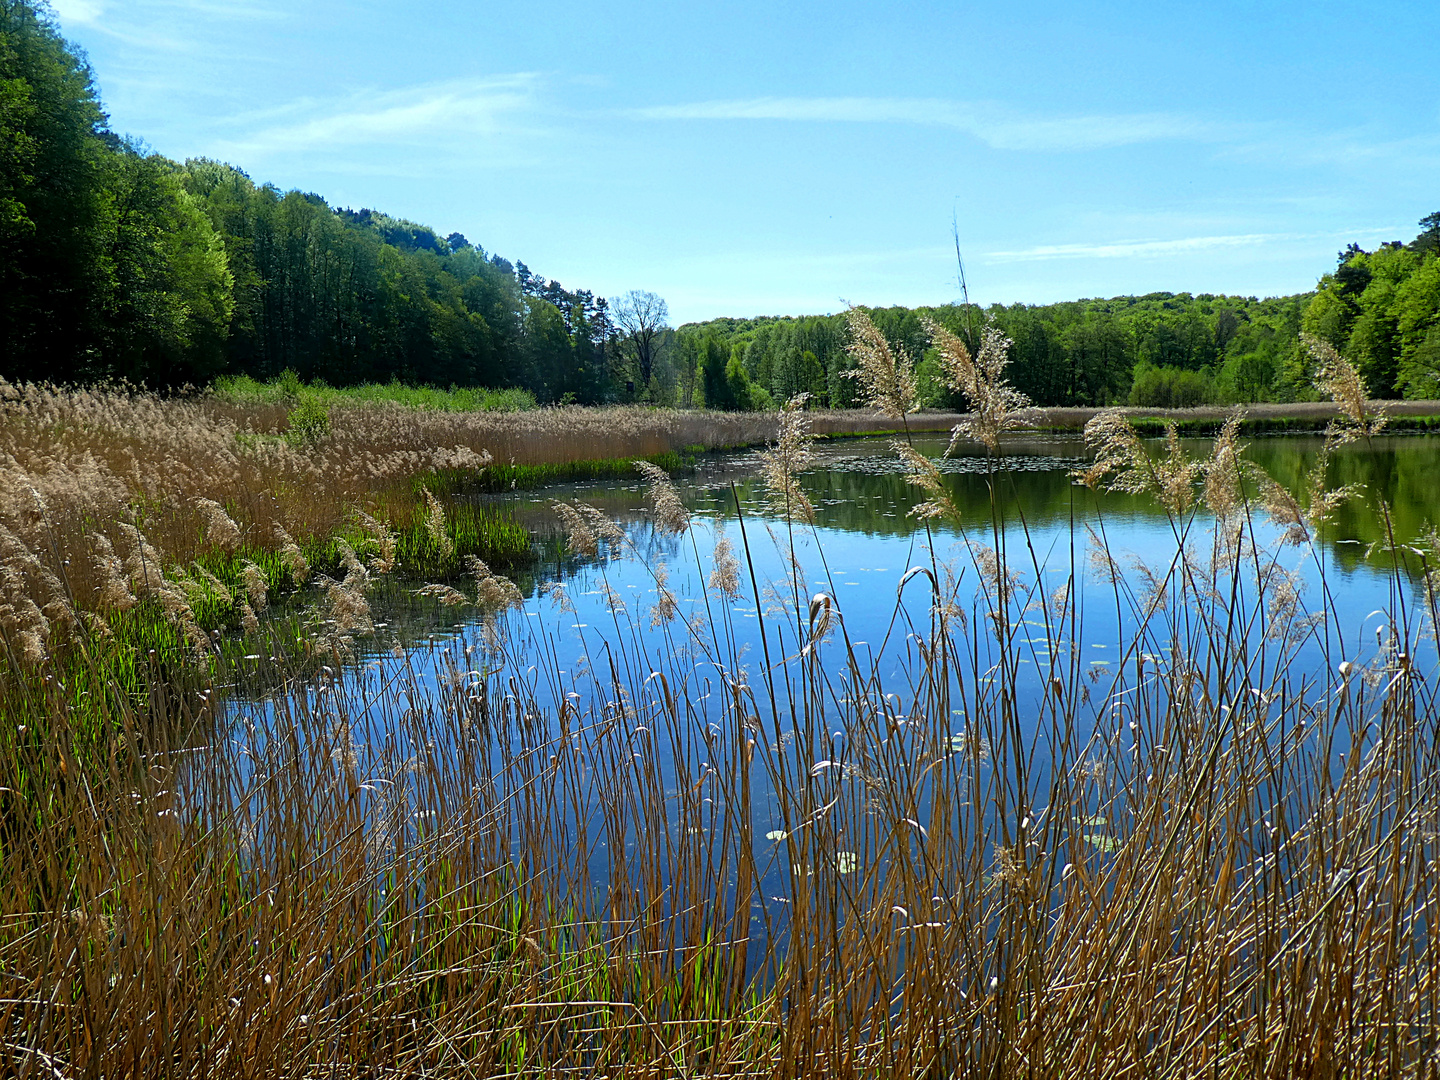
(1132, 249)
(994, 124)
(1154, 249)
(78, 12)
(445, 114)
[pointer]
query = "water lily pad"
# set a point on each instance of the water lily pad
(776, 835)
(1094, 819)
(1103, 842)
(846, 862)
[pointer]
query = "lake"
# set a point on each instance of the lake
(868, 671)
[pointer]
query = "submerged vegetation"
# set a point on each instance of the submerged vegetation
(1212, 855)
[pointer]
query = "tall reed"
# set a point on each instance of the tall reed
(1212, 857)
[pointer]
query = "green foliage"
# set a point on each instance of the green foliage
(308, 423)
(498, 477)
(1380, 309)
(56, 213)
(288, 387)
(115, 263)
(1084, 352)
(118, 263)
(1170, 388)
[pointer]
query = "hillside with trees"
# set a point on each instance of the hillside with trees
(116, 263)
(1163, 349)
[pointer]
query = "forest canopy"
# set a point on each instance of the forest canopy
(118, 263)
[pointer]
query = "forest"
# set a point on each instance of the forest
(119, 264)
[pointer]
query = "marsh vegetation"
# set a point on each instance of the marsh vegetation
(737, 838)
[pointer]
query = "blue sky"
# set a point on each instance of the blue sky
(764, 158)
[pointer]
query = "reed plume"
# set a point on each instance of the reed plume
(994, 403)
(886, 373)
(670, 515)
(788, 457)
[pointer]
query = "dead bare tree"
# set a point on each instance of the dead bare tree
(641, 318)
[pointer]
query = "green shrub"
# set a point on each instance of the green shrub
(308, 423)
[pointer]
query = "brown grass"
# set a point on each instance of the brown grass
(200, 475)
(1078, 417)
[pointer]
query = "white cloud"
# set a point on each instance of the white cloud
(72, 12)
(438, 115)
(1152, 249)
(1000, 127)
(1132, 249)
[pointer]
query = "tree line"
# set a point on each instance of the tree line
(116, 263)
(1381, 309)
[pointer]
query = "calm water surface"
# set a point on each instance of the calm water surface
(859, 553)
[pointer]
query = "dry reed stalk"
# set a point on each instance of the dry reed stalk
(1213, 861)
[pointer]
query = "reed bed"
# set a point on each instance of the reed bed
(1214, 858)
(80, 463)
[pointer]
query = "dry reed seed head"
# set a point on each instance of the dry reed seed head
(1324, 500)
(558, 595)
(670, 516)
(1100, 559)
(578, 537)
(925, 474)
(257, 587)
(821, 616)
(220, 528)
(666, 605)
(1156, 594)
(20, 617)
(886, 374)
(291, 557)
(614, 602)
(998, 581)
(1224, 495)
(446, 594)
(493, 592)
(1282, 508)
(1060, 602)
(356, 575)
(1010, 869)
(1122, 463)
(384, 559)
(1177, 474)
(994, 403)
(248, 621)
(604, 528)
(1337, 379)
(1118, 452)
(790, 455)
(436, 526)
(956, 363)
(725, 574)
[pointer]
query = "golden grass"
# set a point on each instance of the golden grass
(204, 474)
